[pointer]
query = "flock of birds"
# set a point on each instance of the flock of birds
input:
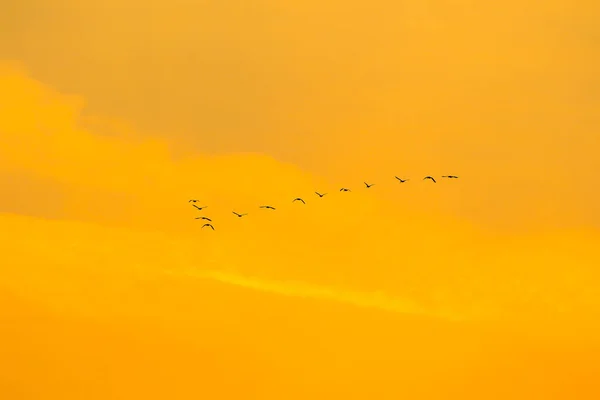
(299, 199)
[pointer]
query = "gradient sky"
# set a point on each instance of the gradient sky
(114, 114)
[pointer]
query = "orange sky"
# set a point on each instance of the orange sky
(113, 115)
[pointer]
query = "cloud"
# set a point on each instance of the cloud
(104, 138)
(101, 308)
(351, 94)
(363, 240)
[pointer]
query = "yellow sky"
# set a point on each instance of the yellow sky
(506, 94)
(114, 114)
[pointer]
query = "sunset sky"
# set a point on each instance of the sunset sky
(113, 114)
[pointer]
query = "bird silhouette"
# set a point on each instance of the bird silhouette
(343, 189)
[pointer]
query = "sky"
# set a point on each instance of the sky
(114, 114)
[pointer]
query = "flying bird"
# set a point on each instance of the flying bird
(269, 207)
(199, 208)
(239, 215)
(193, 201)
(299, 199)
(344, 190)
(204, 218)
(430, 177)
(320, 194)
(450, 176)
(401, 180)
(209, 225)
(367, 185)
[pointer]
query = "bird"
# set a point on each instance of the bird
(199, 208)
(299, 199)
(430, 177)
(367, 185)
(269, 207)
(239, 215)
(320, 194)
(204, 218)
(193, 201)
(209, 225)
(401, 180)
(344, 190)
(450, 176)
